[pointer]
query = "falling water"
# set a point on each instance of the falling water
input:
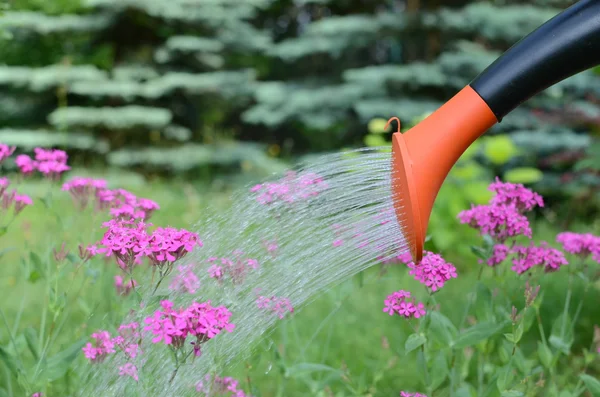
(336, 220)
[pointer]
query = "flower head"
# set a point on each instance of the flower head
(290, 189)
(103, 346)
(515, 194)
(402, 304)
(185, 280)
(199, 320)
(408, 394)
(6, 151)
(527, 257)
(498, 221)
(433, 271)
(129, 370)
(217, 385)
(579, 244)
(277, 305)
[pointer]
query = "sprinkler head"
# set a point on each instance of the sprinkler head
(423, 156)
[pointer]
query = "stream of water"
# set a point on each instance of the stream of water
(307, 230)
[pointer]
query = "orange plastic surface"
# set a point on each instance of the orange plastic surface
(424, 155)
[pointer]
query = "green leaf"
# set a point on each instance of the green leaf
(512, 393)
(510, 338)
(562, 334)
(480, 252)
(4, 251)
(302, 369)
(3, 392)
(592, 384)
(483, 303)
(478, 333)
(31, 337)
(10, 361)
(37, 264)
(441, 328)
(58, 365)
(413, 342)
(505, 378)
(523, 175)
(439, 370)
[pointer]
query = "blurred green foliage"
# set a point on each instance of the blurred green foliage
(272, 79)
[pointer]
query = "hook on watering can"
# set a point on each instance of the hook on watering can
(389, 122)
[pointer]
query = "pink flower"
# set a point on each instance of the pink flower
(236, 267)
(407, 394)
(84, 190)
(401, 303)
(527, 257)
(498, 221)
(52, 163)
(579, 244)
(26, 164)
(38, 394)
(129, 370)
(433, 271)
(185, 280)
(220, 386)
(290, 189)
(4, 183)
(124, 288)
(278, 305)
(130, 242)
(499, 254)
(338, 243)
(199, 320)
(517, 195)
(6, 151)
(103, 346)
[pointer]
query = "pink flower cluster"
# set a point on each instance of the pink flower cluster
(516, 195)
(120, 203)
(235, 267)
(12, 199)
(503, 217)
(278, 305)
(84, 189)
(125, 205)
(526, 257)
(185, 280)
(129, 370)
(220, 386)
(199, 320)
(103, 346)
(407, 394)
(401, 303)
(124, 288)
(580, 244)
(6, 151)
(129, 242)
(433, 271)
(50, 162)
(127, 341)
(292, 188)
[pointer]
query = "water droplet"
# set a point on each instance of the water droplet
(269, 368)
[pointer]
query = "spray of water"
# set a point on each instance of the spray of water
(322, 223)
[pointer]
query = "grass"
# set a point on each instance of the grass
(339, 344)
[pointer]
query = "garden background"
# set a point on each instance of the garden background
(183, 101)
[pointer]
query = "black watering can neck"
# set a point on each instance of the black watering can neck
(565, 45)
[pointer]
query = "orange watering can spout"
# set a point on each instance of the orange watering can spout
(423, 156)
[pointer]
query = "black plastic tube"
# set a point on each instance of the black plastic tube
(562, 47)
